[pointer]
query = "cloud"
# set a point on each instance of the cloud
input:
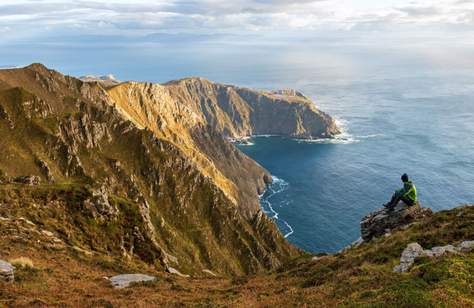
(40, 18)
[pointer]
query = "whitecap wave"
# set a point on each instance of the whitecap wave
(278, 186)
(343, 138)
(247, 144)
(371, 136)
(264, 136)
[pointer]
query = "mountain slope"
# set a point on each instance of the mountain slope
(361, 276)
(150, 149)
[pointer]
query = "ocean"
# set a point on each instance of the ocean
(403, 109)
(422, 126)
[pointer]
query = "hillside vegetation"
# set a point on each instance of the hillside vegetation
(66, 275)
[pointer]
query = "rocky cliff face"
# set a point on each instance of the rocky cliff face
(384, 221)
(150, 162)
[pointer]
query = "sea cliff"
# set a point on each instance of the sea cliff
(105, 152)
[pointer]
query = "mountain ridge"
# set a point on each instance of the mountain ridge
(160, 148)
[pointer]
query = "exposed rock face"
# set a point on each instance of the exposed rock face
(197, 116)
(6, 271)
(28, 179)
(152, 164)
(414, 250)
(124, 281)
(383, 221)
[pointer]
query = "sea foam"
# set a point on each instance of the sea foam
(278, 186)
(343, 138)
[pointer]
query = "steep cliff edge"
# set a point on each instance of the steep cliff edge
(98, 154)
(195, 114)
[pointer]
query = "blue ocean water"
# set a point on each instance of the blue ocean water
(404, 108)
(422, 126)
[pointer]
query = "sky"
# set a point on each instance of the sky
(37, 19)
(196, 35)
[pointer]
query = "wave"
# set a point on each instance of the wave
(370, 136)
(264, 136)
(343, 138)
(247, 144)
(278, 186)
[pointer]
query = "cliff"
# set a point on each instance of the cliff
(144, 171)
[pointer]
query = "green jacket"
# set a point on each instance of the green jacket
(409, 191)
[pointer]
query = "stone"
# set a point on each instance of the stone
(124, 280)
(47, 233)
(174, 271)
(466, 246)
(28, 179)
(413, 251)
(439, 251)
(99, 204)
(383, 221)
(6, 271)
(209, 272)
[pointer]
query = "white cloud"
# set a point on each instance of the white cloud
(140, 18)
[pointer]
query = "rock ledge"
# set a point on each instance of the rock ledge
(383, 221)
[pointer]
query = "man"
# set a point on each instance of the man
(407, 194)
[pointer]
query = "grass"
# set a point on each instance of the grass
(358, 277)
(22, 262)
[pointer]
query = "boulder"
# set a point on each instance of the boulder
(414, 250)
(466, 246)
(6, 271)
(124, 281)
(409, 254)
(383, 221)
(28, 179)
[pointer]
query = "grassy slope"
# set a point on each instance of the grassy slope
(361, 276)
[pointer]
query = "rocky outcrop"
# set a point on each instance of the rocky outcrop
(383, 221)
(414, 250)
(6, 271)
(28, 179)
(124, 281)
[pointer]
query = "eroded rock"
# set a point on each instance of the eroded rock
(409, 254)
(6, 271)
(124, 280)
(28, 179)
(383, 221)
(174, 271)
(414, 250)
(99, 204)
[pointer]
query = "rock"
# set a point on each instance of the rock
(45, 169)
(6, 271)
(99, 204)
(439, 251)
(124, 281)
(209, 272)
(466, 246)
(413, 251)
(383, 221)
(28, 179)
(4, 179)
(172, 270)
(47, 233)
(82, 251)
(358, 242)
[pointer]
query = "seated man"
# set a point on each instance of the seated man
(407, 194)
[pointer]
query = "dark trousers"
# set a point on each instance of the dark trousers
(397, 196)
